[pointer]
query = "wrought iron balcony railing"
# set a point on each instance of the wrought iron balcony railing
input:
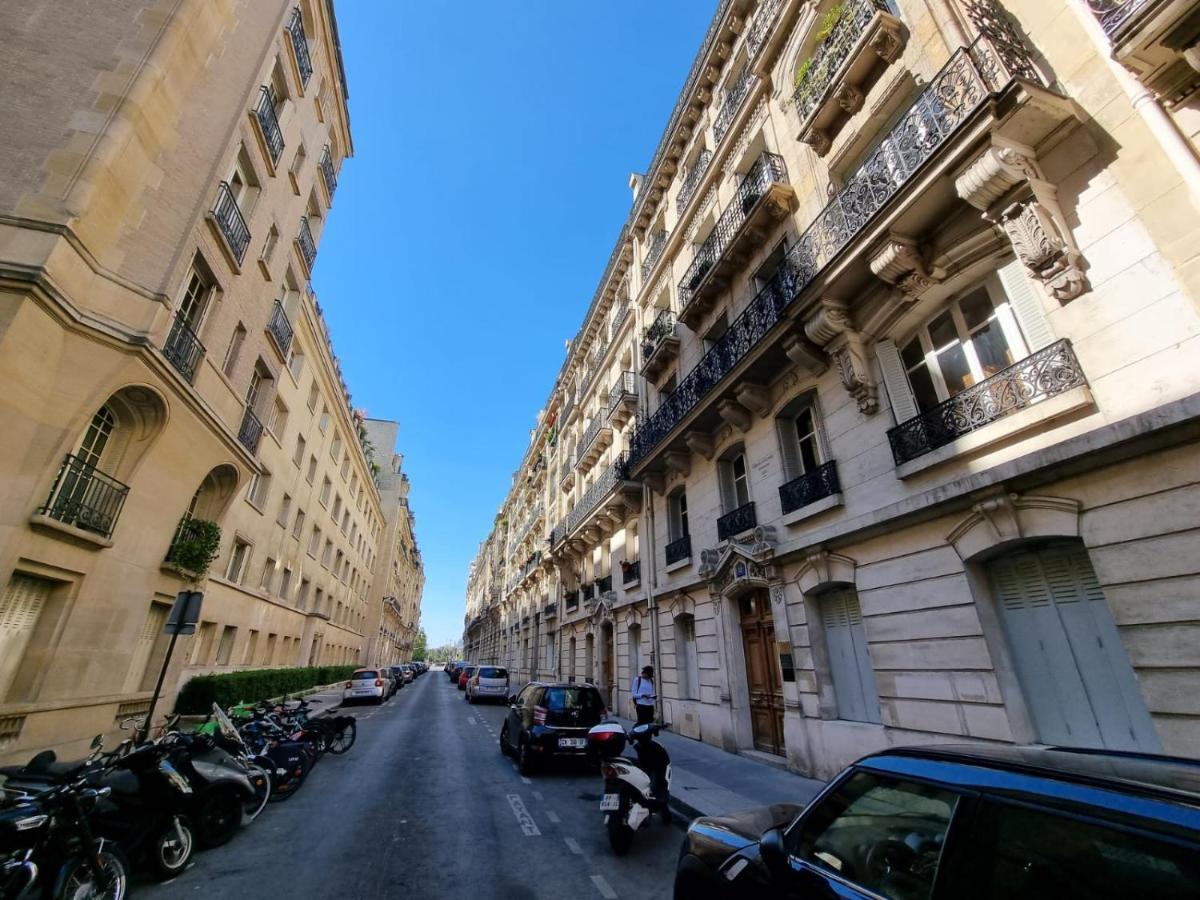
(969, 78)
(816, 76)
(327, 171)
(280, 328)
(1050, 371)
(250, 431)
(662, 326)
(228, 216)
(733, 101)
(694, 176)
(625, 385)
(1112, 14)
(589, 434)
(810, 487)
(308, 247)
(557, 533)
(264, 113)
(631, 571)
(768, 169)
(619, 318)
(187, 532)
(183, 349)
(764, 17)
(613, 475)
(679, 549)
(571, 599)
(604, 585)
(736, 521)
(300, 45)
(658, 241)
(84, 497)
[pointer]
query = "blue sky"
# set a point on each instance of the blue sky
(493, 145)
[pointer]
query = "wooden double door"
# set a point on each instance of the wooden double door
(763, 675)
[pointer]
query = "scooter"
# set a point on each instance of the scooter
(633, 791)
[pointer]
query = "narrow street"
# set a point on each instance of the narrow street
(424, 805)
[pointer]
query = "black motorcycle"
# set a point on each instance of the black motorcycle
(47, 845)
(224, 786)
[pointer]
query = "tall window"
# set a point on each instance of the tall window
(298, 527)
(799, 442)
(234, 350)
(95, 439)
(686, 658)
(735, 485)
(634, 650)
(298, 455)
(849, 657)
(194, 302)
(677, 521)
(239, 559)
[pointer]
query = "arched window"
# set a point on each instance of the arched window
(95, 438)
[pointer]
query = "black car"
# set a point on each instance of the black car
(452, 669)
(548, 721)
(398, 675)
(979, 822)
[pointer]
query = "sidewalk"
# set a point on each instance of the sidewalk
(730, 781)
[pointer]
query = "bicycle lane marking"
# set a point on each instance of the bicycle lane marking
(524, 819)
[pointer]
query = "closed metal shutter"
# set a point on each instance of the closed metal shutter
(24, 599)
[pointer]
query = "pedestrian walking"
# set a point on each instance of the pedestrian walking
(644, 696)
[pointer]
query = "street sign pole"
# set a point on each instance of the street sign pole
(185, 613)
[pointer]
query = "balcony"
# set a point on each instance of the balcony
(679, 550)
(692, 179)
(183, 349)
(1159, 40)
(300, 46)
(619, 318)
(596, 439)
(268, 125)
(622, 400)
(611, 493)
(228, 217)
(549, 611)
(1047, 373)
(734, 97)
(764, 196)
(84, 497)
(250, 431)
(631, 572)
(280, 329)
(658, 241)
(308, 247)
(660, 344)
(327, 172)
(760, 28)
(571, 600)
(604, 585)
(809, 488)
(557, 533)
(736, 521)
(566, 480)
(864, 39)
(972, 77)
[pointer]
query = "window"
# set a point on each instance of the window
(345, 521)
(243, 184)
(327, 553)
(686, 661)
(337, 508)
(335, 449)
(849, 657)
(634, 650)
(295, 363)
(677, 515)
(194, 302)
(971, 339)
(22, 604)
(234, 350)
(268, 575)
(313, 394)
(251, 648)
(314, 542)
(302, 594)
(285, 510)
(716, 331)
(298, 453)
(239, 557)
(285, 584)
(324, 424)
(735, 485)
(298, 527)
(855, 828)
(326, 489)
(298, 163)
(311, 475)
(225, 647)
(260, 486)
(1023, 851)
(269, 656)
(269, 245)
(799, 443)
(345, 464)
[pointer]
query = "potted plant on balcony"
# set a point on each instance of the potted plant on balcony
(196, 545)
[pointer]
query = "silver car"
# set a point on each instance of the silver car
(488, 683)
(366, 684)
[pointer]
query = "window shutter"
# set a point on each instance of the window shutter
(725, 479)
(1026, 305)
(904, 406)
(790, 453)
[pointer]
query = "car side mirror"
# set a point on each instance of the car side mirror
(773, 852)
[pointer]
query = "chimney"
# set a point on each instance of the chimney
(635, 184)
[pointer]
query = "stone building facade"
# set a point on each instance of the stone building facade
(881, 425)
(165, 176)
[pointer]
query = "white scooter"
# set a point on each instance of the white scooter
(633, 791)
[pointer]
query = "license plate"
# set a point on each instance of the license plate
(572, 743)
(610, 803)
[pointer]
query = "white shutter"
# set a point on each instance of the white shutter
(1026, 305)
(20, 608)
(152, 627)
(849, 661)
(786, 428)
(725, 480)
(904, 406)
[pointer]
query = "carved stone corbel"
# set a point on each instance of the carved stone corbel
(830, 327)
(735, 414)
(754, 397)
(819, 140)
(678, 461)
(1006, 185)
(898, 261)
(699, 443)
(804, 354)
(849, 98)
(656, 480)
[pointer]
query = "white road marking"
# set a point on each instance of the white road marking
(553, 817)
(524, 819)
(470, 720)
(526, 780)
(573, 846)
(604, 888)
(537, 795)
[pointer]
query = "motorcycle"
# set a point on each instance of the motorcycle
(633, 791)
(47, 846)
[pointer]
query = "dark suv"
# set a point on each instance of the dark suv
(547, 721)
(958, 821)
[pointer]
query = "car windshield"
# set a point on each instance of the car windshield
(470, 670)
(364, 676)
(493, 672)
(563, 698)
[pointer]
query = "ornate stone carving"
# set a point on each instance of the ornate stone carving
(830, 319)
(855, 373)
(1040, 248)
(849, 98)
(678, 461)
(754, 397)
(819, 140)
(699, 443)
(898, 260)
(822, 568)
(804, 354)
(887, 44)
(735, 414)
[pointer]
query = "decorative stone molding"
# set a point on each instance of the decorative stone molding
(700, 443)
(819, 140)
(656, 481)
(678, 461)
(831, 318)
(735, 414)
(849, 98)
(755, 397)
(757, 117)
(831, 327)
(804, 354)
(1003, 518)
(898, 261)
(887, 44)
(1005, 183)
(822, 569)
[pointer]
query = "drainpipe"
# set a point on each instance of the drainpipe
(651, 604)
(1176, 147)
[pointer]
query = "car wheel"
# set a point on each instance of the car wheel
(470, 698)
(524, 759)
(379, 700)
(505, 748)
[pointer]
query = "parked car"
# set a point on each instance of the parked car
(452, 669)
(550, 721)
(464, 674)
(398, 674)
(407, 672)
(365, 684)
(965, 821)
(392, 684)
(488, 683)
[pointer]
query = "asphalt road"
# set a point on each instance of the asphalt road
(425, 806)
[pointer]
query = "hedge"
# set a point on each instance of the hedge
(252, 685)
